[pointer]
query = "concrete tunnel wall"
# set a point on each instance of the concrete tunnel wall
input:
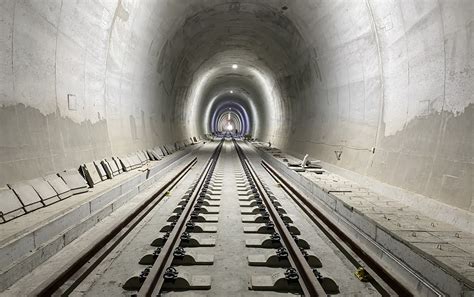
(82, 80)
(396, 76)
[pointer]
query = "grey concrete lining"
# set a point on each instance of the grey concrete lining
(48, 214)
(386, 84)
(332, 259)
(114, 170)
(20, 252)
(100, 170)
(11, 274)
(366, 226)
(381, 90)
(95, 177)
(44, 190)
(97, 204)
(138, 245)
(119, 184)
(11, 204)
(445, 277)
(61, 188)
(27, 195)
(230, 272)
(448, 282)
(458, 217)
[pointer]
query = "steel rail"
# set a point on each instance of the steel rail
(89, 258)
(386, 284)
(154, 281)
(307, 279)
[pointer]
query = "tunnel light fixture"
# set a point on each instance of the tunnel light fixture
(235, 66)
(232, 92)
(229, 127)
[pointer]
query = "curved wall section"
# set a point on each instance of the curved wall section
(78, 83)
(392, 78)
(387, 83)
(229, 122)
(233, 108)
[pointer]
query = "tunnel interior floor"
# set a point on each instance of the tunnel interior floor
(450, 246)
(230, 271)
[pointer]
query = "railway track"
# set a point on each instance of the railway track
(162, 275)
(68, 277)
(310, 281)
(373, 272)
(300, 276)
(230, 230)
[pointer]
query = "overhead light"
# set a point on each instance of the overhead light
(234, 66)
(232, 92)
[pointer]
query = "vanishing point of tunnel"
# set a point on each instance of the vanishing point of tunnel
(236, 147)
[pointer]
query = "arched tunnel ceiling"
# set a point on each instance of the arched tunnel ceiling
(229, 103)
(246, 90)
(229, 121)
(387, 83)
(259, 39)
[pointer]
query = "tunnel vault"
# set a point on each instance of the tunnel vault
(380, 89)
(257, 40)
(108, 105)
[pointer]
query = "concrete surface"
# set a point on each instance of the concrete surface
(230, 271)
(382, 89)
(30, 240)
(441, 253)
(82, 80)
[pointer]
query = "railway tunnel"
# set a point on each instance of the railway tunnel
(241, 148)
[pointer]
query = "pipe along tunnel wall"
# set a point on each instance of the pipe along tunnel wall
(388, 84)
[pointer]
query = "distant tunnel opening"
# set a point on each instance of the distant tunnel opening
(229, 122)
(230, 116)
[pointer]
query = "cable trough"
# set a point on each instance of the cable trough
(67, 278)
(367, 269)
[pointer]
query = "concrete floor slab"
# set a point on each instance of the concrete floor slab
(398, 219)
